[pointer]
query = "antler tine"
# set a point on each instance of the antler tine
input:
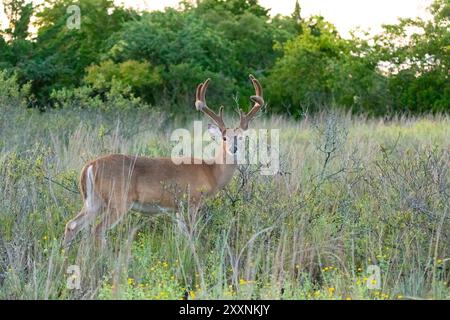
(197, 95)
(258, 103)
(256, 85)
(200, 104)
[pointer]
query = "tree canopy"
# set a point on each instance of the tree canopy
(161, 56)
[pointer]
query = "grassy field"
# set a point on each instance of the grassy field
(351, 193)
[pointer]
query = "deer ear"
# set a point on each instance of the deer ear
(214, 131)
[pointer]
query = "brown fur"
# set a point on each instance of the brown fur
(82, 185)
(121, 178)
(122, 182)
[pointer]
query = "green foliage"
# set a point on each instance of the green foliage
(10, 91)
(19, 13)
(140, 76)
(59, 54)
(117, 97)
(184, 48)
(320, 68)
(161, 56)
(418, 63)
(304, 75)
(234, 7)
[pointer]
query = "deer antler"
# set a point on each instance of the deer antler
(200, 105)
(258, 103)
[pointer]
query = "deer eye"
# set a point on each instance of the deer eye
(224, 138)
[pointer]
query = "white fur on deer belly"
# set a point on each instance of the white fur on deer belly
(149, 208)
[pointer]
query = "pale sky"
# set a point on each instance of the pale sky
(344, 14)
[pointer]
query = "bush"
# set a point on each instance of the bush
(141, 77)
(11, 93)
(117, 98)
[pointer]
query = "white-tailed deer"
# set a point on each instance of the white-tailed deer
(114, 184)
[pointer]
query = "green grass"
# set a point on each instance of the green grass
(381, 198)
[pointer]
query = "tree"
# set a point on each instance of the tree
(19, 13)
(15, 45)
(161, 56)
(303, 77)
(234, 7)
(251, 35)
(60, 55)
(416, 55)
(224, 40)
(297, 16)
(181, 46)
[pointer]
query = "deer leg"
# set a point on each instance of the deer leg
(83, 219)
(110, 219)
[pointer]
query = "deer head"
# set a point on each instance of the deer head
(229, 137)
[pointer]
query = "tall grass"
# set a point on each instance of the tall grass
(351, 193)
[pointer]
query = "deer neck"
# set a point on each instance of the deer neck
(224, 167)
